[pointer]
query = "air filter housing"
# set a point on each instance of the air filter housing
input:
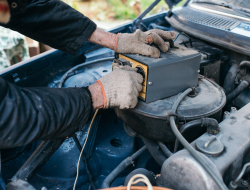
(150, 120)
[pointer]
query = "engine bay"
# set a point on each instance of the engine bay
(213, 117)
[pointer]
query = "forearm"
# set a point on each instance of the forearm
(104, 38)
(31, 114)
(53, 23)
(97, 96)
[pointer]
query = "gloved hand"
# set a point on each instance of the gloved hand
(137, 42)
(121, 87)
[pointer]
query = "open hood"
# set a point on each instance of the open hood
(171, 3)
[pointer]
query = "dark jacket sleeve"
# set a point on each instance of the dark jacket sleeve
(51, 22)
(31, 114)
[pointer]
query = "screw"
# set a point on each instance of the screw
(233, 110)
(243, 182)
(150, 83)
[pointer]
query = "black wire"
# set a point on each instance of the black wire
(85, 163)
(72, 70)
(17, 154)
(190, 40)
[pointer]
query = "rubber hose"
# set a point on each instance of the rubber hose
(156, 26)
(190, 149)
(154, 150)
(230, 78)
(189, 125)
(65, 76)
(210, 123)
(121, 167)
(143, 171)
(165, 149)
(240, 88)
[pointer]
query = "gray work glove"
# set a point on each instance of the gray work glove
(121, 87)
(137, 42)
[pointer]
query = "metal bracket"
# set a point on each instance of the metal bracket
(137, 22)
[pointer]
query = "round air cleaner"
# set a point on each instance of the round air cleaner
(150, 120)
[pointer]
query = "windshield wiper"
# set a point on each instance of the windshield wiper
(239, 10)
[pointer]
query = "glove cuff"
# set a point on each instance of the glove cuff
(116, 41)
(104, 95)
(4, 12)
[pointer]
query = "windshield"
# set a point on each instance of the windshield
(236, 3)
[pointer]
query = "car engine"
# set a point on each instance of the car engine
(189, 137)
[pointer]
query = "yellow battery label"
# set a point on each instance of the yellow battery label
(144, 68)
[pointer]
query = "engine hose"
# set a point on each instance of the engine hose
(165, 149)
(154, 150)
(238, 90)
(189, 125)
(142, 171)
(190, 149)
(210, 123)
(121, 167)
(230, 78)
(65, 76)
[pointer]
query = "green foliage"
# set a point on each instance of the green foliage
(106, 10)
(124, 10)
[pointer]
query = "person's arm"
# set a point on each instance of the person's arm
(58, 25)
(52, 22)
(104, 38)
(138, 42)
(31, 114)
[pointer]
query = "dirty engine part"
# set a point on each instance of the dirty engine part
(149, 120)
(222, 154)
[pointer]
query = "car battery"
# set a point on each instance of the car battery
(172, 73)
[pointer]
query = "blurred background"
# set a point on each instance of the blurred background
(107, 14)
